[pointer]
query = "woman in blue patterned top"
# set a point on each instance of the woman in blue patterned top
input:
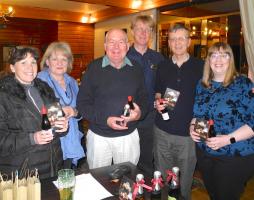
(226, 161)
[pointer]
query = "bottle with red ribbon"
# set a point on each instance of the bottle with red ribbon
(211, 132)
(174, 184)
(164, 112)
(157, 184)
(130, 102)
(45, 123)
(138, 190)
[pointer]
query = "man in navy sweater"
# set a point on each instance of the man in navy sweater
(142, 29)
(103, 94)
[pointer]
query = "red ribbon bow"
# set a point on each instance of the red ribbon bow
(170, 176)
(157, 180)
(136, 186)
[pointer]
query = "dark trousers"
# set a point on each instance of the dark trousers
(145, 130)
(173, 150)
(225, 177)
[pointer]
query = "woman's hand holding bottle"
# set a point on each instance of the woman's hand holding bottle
(43, 136)
(61, 125)
(194, 135)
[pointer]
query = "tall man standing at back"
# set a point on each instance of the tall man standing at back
(103, 93)
(172, 143)
(142, 28)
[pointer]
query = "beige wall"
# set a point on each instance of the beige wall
(119, 22)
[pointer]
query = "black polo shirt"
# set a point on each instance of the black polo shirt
(183, 79)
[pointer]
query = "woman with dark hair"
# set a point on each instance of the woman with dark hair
(23, 144)
(226, 161)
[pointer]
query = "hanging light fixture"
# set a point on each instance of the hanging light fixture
(88, 19)
(5, 14)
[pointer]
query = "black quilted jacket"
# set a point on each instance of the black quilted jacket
(19, 118)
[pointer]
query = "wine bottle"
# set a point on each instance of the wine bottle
(211, 132)
(130, 102)
(129, 106)
(157, 183)
(126, 110)
(164, 112)
(140, 192)
(174, 185)
(45, 123)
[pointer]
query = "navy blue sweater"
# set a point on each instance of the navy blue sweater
(103, 93)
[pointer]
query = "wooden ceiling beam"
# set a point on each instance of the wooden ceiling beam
(190, 12)
(49, 14)
(117, 8)
(146, 4)
(114, 3)
(112, 12)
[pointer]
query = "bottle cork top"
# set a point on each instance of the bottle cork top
(211, 122)
(157, 174)
(139, 177)
(129, 98)
(175, 170)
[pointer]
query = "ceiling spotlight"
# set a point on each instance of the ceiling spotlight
(84, 19)
(136, 4)
(88, 19)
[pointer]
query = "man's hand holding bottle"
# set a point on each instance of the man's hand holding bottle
(121, 123)
(133, 116)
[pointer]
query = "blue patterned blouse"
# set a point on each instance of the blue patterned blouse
(230, 107)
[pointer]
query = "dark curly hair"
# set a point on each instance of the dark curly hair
(20, 52)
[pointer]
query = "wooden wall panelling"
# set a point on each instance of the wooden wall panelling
(81, 39)
(37, 33)
(40, 33)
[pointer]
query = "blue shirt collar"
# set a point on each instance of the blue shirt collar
(106, 62)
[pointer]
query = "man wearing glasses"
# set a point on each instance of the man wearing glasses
(142, 29)
(172, 143)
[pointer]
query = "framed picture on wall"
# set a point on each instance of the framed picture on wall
(5, 56)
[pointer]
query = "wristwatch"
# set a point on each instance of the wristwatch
(232, 140)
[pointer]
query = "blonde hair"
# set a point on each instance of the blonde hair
(58, 46)
(231, 71)
(146, 19)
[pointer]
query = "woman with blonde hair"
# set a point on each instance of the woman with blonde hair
(55, 65)
(226, 160)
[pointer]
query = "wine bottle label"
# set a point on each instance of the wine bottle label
(165, 116)
(171, 198)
